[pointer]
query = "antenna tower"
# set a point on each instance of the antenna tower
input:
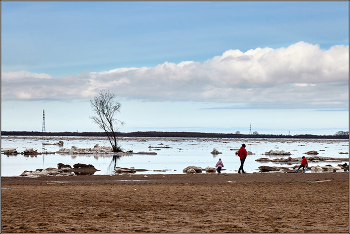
(43, 127)
(250, 129)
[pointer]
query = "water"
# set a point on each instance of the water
(183, 152)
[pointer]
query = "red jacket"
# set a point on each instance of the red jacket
(304, 162)
(242, 153)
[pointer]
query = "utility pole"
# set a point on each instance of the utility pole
(250, 129)
(43, 127)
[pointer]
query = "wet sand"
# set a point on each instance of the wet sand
(256, 202)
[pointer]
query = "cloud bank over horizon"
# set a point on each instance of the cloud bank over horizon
(299, 76)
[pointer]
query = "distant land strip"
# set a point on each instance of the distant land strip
(171, 134)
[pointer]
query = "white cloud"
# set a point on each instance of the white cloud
(23, 74)
(303, 84)
(118, 70)
(299, 75)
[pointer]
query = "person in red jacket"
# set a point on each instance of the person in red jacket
(303, 164)
(242, 153)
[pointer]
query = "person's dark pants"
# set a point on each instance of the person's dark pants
(241, 167)
(301, 167)
(218, 169)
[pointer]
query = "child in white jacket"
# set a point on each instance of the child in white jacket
(219, 165)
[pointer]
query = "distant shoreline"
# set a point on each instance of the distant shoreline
(173, 134)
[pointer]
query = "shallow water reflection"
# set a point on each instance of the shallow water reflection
(182, 152)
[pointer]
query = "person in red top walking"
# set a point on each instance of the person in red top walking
(242, 153)
(303, 164)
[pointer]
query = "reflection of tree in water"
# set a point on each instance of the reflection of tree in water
(113, 163)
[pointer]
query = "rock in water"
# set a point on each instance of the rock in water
(192, 169)
(210, 169)
(215, 151)
(312, 152)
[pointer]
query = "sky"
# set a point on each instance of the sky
(278, 67)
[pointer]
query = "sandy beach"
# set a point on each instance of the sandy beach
(255, 202)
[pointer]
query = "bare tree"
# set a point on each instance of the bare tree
(342, 133)
(105, 106)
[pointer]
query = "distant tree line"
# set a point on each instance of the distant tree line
(342, 133)
(173, 134)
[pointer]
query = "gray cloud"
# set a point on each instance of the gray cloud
(299, 76)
